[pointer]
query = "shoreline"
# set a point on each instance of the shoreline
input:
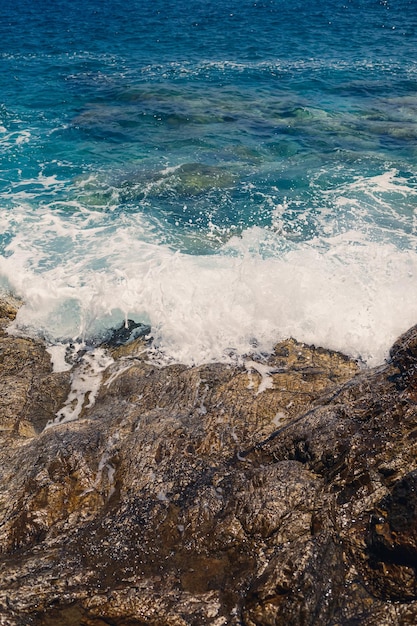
(212, 494)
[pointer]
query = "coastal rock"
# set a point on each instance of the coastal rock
(30, 394)
(282, 490)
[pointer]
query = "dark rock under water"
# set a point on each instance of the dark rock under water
(282, 492)
(127, 333)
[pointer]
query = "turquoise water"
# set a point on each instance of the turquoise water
(231, 173)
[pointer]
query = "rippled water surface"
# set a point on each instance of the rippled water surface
(231, 173)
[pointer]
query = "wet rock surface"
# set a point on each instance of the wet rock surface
(282, 491)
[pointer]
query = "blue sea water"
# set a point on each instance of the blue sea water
(232, 173)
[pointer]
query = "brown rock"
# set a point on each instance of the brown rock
(30, 394)
(281, 491)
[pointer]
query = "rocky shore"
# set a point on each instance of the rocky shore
(283, 491)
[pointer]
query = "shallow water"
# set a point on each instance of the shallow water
(231, 173)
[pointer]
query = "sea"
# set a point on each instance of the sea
(229, 172)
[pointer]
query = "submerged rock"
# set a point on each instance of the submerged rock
(282, 491)
(184, 181)
(127, 333)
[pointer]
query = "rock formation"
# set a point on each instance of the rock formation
(282, 491)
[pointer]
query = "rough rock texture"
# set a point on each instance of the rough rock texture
(29, 394)
(280, 492)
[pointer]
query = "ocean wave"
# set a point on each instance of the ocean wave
(346, 292)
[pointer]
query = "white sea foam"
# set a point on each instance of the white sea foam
(15, 138)
(345, 292)
(264, 372)
(85, 383)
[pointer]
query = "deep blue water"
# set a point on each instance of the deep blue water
(230, 172)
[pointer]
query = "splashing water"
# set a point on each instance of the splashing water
(231, 174)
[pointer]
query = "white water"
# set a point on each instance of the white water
(85, 383)
(345, 292)
(80, 271)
